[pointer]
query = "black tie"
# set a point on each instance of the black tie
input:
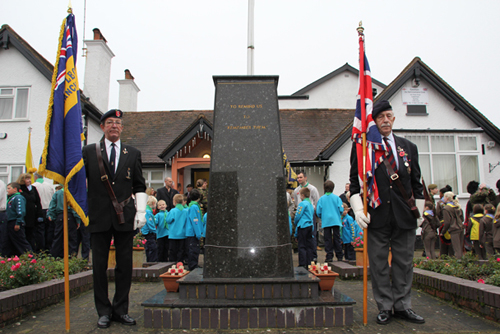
(390, 156)
(112, 158)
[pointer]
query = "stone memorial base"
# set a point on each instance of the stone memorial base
(248, 303)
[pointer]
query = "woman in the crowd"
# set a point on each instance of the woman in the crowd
(34, 214)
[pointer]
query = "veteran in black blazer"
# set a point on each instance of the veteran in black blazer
(123, 168)
(392, 223)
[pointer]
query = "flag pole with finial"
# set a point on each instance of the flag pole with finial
(360, 30)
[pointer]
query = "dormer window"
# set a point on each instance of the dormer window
(14, 103)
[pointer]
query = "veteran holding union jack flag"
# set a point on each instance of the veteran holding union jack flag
(385, 169)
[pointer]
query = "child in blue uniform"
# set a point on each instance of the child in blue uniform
(329, 209)
(162, 231)
(149, 231)
(15, 242)
(348, 234)
(194, 227)
(176, 221)
(55, 214)
(304, 228)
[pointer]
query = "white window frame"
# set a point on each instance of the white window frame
(148, 179)
(14, 96)
(457, 153)
(8, 173)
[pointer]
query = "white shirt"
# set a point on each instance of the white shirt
(314, 197)
(46, 192)
(117, 150)
(3, 196)
(390, 139)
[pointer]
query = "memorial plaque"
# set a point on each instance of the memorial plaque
(247, 230)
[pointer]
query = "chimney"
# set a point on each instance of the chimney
(98, 71)
(128, 93)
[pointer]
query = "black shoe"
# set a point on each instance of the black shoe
(410, 316)
(104, 321)
(384, 317)
(124, 319)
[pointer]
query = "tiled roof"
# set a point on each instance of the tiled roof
(305, 133)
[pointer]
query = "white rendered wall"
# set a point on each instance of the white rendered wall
(128, 95)
(18, 71)
(97, 73)
(94, 132)
(338, 92)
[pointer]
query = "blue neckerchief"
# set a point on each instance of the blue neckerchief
(429, 212)
(490, 215)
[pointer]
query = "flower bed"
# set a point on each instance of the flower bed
(30, 269)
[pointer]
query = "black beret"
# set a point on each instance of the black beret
(116, 113)
(380, 106)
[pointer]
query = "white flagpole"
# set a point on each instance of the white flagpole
(250, 47)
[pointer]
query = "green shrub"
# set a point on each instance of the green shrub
(467, 267)
(30, 268)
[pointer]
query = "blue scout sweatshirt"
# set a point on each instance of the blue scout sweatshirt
(304, 215)
(150, 222)
(161, 226)
(194, 224)
(56, 207)
(16, 208)
(204, 232)
(329, 209)
(176, 221)
(348, 229)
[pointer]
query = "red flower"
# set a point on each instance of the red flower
(179, 264)
(11, 276)
(30, 256)
(480, 281)
(15, 258)
(401, 154)
(3, 262)
(33, 261)
(498, 259)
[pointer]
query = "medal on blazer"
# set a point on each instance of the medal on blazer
(125, 151)
(406, 160)
(128, 174)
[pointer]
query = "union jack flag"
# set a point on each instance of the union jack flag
(364, 123)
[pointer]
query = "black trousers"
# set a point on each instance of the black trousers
(193, 252)
(176, 250)
(83, 239)
(39, 233)
(349, 252)
(306, 245)
(333, 242)
(57, 249)
(15, 242)
(163, 247)
(151, 249)
(3, 231)
(49, 234)
(100, 242)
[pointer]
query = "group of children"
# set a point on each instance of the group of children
(336, 222)
(174, 235)
(14, 241)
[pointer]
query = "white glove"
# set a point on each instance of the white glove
(141, 200)
(420, 221)
(357, 208)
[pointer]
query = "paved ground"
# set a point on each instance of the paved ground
(440, 317)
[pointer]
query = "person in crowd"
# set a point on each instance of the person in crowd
(114, 174)
(56, 214)
(433, 191)
(149, 231)
(202, 187)
(348, 233)
(497, 198)
(189, 187)
(429, 230)
(444, 238)
(3, 216)
(176, 222)
(453, 218)
(167, 193)
(329, 209)
(484, 195)
(15, 241)
(496, 231)
(34, 215)
(45, 191)
(194, 227)
(473, 230)
(162, 231)
(304, 228)
(472, 187)
(486, 229)
(314, 198)
(392, 223)
(343, 196)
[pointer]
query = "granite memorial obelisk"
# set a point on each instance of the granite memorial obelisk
(247, 230)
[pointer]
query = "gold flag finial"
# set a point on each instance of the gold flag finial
(360, 28)
(70, 9)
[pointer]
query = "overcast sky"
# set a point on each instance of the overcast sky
(173, 48)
